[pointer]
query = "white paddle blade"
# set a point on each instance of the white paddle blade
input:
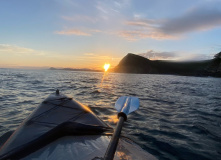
(127, 104)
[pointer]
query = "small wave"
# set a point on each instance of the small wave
(174, 110)
(203, 130)
(81, 93)
(157, 100)
(84, 87)
(170, 134)
(96, 92)
(216, 98)
(36, 82)
(20, 75)
(24, 102)
(91, 80)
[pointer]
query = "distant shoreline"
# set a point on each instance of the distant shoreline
(74, 69)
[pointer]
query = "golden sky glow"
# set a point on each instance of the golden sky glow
(69, 35)
(13, 56)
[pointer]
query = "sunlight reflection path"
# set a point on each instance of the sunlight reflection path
(112, 118)
(106, 67)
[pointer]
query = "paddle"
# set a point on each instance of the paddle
(124, 106)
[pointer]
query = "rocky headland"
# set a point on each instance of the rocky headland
(132, 63)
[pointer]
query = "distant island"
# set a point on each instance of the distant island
(132, 63)
(75, 69)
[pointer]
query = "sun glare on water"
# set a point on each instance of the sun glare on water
(106, 67)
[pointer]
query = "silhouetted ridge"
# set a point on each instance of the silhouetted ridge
(132, 63)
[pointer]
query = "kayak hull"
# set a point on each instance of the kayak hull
(62, 128)
(88, 147)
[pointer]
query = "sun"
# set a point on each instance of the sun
(106, 66)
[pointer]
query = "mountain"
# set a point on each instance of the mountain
(132, 63)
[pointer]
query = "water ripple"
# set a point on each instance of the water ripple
(178, 119)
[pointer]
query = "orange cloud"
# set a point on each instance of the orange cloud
(133, 35)
(78, 32)
(200, 18)
(73, 32)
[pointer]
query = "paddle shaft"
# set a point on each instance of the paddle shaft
(109, 155)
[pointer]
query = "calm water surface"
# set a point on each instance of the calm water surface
(179, 117)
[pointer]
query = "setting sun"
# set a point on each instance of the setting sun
(106, 66)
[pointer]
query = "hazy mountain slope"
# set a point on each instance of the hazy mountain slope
(132, 63)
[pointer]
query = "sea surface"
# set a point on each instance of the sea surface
(179, 117)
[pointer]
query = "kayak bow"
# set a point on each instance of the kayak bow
(62, 128)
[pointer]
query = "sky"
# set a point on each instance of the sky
(89, 33)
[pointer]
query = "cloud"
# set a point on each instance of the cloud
(195, 57)
(111, 13)
(80, 18)
(198, 19)
(78, 32)
(110, 16)
(73, 32)
(153, 55)
(100, 16)
(150, 23)
(93, 56)
(133, 35)
(18, 50)
(13, 49)
(108, 7)
(122, 3)
(157, 55)
(201, 18)
(144, 28)
(89, 54)
(102, 9)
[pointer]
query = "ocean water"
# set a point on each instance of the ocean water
(179, 117)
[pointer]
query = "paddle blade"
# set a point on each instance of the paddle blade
(127, 104)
